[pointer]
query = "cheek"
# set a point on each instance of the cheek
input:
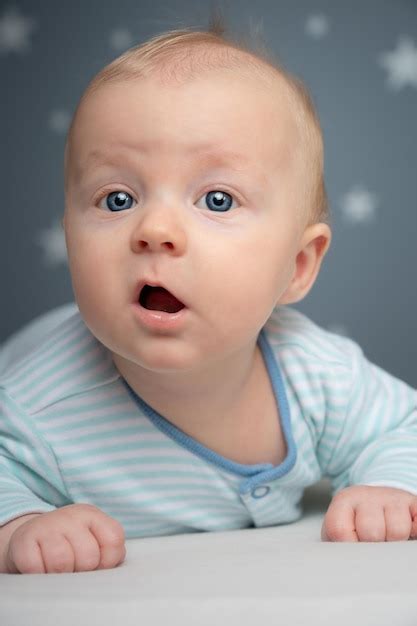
(256, 266)
(249, 279)
(81, 259)
(90, 248)
(91, 260)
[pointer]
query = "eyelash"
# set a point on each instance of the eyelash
(109, 190)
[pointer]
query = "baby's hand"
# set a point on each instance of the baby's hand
(74, 538)
(361, 513)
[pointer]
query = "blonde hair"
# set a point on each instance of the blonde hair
(182, 54)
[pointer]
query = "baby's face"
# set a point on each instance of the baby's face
(156, 196)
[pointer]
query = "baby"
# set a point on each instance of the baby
(186, 395)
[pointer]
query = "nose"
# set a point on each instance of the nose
(160, 231)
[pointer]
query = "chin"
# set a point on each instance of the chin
(161, 361)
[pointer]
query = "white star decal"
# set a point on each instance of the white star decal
(59, 121)
(401, 64)
(52, 241)
(121, 39)
(15, 30)
(359, 205)
(317, 26)
(338, 329)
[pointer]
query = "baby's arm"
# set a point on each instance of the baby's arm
(373, 461)
(74, 538)
(30, 477)
(41, 530)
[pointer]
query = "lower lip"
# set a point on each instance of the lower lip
(160, 320)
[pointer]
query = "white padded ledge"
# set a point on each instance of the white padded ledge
(243, 577)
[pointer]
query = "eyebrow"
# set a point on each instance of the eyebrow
(205, 153)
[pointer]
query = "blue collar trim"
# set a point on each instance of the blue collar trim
(258, 473)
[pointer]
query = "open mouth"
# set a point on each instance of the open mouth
(159, 299)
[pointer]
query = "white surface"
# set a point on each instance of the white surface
(244, 577)
(278, 575)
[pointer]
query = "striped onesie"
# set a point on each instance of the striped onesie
(73, 431)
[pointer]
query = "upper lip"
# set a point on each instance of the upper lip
(153, 283)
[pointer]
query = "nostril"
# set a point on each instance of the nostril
(144, 244)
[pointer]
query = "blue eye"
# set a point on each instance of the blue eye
(118, 200)
(218, 200)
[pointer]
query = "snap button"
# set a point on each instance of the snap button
(260, 491)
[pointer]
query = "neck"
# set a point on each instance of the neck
(196, 400)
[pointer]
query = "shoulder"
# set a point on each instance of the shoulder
(290, 328)
(318, 365)
(57, 364)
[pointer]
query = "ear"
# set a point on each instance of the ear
(314, 245)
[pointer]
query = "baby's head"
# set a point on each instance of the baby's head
(194, 164)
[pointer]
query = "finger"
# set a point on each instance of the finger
(110, 537)
(398, 523)
(57, 553)
(111, 555)
(339, 521)
(370, 522)
(86, 549)
(24, 557)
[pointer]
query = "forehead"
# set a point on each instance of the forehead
(220, 118)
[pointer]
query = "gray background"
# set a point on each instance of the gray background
(50, 50)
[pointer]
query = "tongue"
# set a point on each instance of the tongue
(159, 299)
